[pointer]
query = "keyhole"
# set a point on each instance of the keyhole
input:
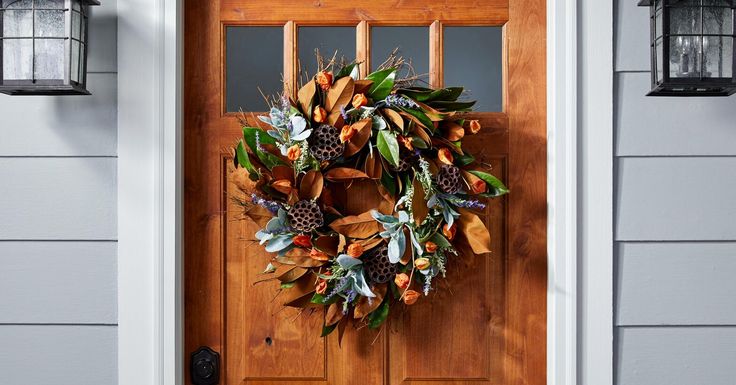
(269, 341)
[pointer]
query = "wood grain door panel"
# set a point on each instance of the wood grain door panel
(486, 322)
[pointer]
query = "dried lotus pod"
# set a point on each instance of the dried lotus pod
(377, 266)
(325, 144)
(305, 216)
(448, 179)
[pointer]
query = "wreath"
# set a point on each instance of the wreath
(363, 191)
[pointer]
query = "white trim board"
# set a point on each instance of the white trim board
(149, 193)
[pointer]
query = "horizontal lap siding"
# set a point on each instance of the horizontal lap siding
(58, 227)
(675, 224)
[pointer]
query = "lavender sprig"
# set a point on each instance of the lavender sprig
(395, 100)
(271, 206)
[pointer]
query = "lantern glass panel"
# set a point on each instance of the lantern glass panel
(17, 4)
(17, 23)
(75, 61)
(718, 21)
(659, 47)
(718, 56)
(685, 20)
(50, 4)
(50, 24)
(76, 25)
(658, 24)
(685, 56)
(49, 59)
(17, 59)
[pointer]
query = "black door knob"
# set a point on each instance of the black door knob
(205, 367)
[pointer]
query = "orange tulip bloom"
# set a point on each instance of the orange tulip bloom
(319, 115)
(479, 186)
(359, 100)
(411, 297)
(324, 79)
(445, 156)
(347, 133)
(321, 287)
(402, 281)
(355, 250)
(449, 231)
(431, 247)
(294, 152)
(474, 126)
(302, 240)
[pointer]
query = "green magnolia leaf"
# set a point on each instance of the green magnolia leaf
(388, 146)
(422, 117)
(440, 241)
(419, 94)
(388, 181)
(322, 300)
(497, 188)
(249, 134)
(446, 106)
(326, 330)
(288, 285)
(464, 159)
(241, 156)
(378, 316)
(383, 83)
(347, 70)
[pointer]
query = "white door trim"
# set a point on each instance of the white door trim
(150, 184)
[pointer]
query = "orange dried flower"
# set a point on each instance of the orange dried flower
(422, 263)
(411, 297)
(474, 126)
(319, 115)
(402, 281)
(282, 185)
(321, 287)
(431, 247)
(302, 240)
(359, 100)
(406, 142)
(324, 79)
(294, 152)
(478, 187)
(445, 156)
(347, 133)
(449, 231)
(318, 255)
(355, 250)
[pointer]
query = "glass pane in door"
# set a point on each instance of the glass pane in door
(412, 44)
(254, 60)
(327, 40)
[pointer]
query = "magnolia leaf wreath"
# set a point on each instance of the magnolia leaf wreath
(364, 191)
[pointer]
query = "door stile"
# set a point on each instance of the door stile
(436, 56)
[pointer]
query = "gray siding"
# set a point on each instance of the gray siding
(58, 227)
(675, 226)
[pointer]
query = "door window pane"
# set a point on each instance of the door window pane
(473, 59)
(412, 44)
(328, 40)
(254, 60)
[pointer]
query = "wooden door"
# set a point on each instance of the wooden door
(486, 327)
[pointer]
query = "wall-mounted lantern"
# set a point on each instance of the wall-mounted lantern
(43, 47)
(692, 47)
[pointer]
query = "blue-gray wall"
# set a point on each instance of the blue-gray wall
(675, 225)
(58, 227)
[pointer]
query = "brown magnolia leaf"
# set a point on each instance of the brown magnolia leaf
(370, 243)
(452, 131)
(394, 117)
(339, 94)
(362, 86)
(422, 133)
(360, 138)
(259, 214)
(419, 203)
(341, 245)
(366, 305)
(327, 244)
(433, 114)
(311, 185)
(373, 167)
(306, 96)
(293, 274)
(300, 294)
(442, 142)
(241, 179)
(280, 271)
(413, 119)
(475, 232)
(283, 172)
(388, 203)
(300, 261)
(335, 119)
(334, 314)
(282, 185)
(357, 226)
(341, 330)
(409, 250)
(344, 174)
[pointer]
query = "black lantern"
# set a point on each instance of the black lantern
(43, 47)
(692, 47)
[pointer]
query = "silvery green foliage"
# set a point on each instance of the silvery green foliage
(440, 201)
(288, 127)
(354, 278)
(276, 234)
(394, 232)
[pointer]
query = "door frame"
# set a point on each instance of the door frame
(580, 180)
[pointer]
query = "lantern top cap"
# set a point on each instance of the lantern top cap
(649, 3)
